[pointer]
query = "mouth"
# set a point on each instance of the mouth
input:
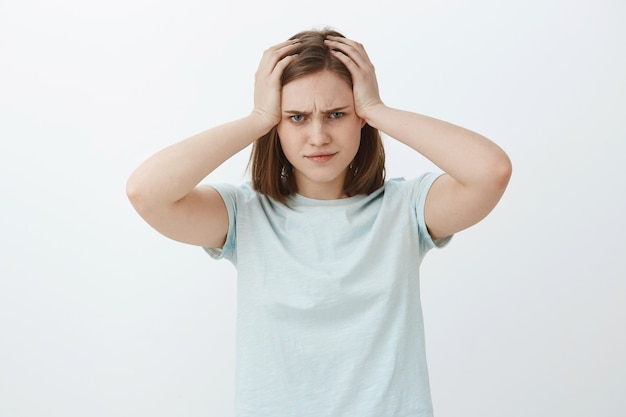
(321, 157)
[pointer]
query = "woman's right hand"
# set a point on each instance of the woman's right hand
(267, 88)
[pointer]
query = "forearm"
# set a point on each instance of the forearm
(468, 157)
(173, 172)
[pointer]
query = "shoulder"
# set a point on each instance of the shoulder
(414, 193)
(243, 201)
(235, 194)
(414, 189)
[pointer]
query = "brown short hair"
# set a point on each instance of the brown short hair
(270, 169)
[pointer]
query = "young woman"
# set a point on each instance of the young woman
(327, 252)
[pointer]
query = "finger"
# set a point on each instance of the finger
(355, 65)
(282, 48)
(274, 54)
(346, 60)
(282, 64)
(346, 44)
(284, 55)
(284, 44)
(350, 48)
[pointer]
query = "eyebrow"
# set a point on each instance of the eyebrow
(329, 111)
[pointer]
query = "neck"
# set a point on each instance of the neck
(322, 191)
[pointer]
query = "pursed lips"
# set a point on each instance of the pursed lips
(320, 157)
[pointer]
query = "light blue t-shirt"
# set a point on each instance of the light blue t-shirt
(329, 322)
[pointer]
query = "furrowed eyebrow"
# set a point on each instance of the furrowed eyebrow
(296, 112)
(338, 109)
(305, 113)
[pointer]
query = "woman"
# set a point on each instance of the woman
(327, 252)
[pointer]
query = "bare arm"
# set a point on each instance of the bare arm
(164, 189)
(476, 170)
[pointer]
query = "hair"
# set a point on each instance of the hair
(271, 172)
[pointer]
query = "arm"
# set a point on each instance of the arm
(476, 170)
(164, 189)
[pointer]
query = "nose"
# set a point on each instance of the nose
(318, 134)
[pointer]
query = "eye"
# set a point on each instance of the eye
(336, 115)
(297, 118)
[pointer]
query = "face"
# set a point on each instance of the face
(319, 132)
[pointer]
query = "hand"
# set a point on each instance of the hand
(364, 83)
(267, 88)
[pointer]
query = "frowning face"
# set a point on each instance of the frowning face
(319, 132)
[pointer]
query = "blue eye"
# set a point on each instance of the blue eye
(297, 118)
(336, 115)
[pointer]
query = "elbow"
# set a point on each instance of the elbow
(503, 169)
(135, 193)
(500, 172)
(146, 197)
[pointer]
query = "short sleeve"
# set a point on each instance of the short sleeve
(426, 181)
(233, 196)
(417, 190)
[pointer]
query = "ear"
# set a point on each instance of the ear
(362, 123)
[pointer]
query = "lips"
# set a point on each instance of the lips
(320, 157)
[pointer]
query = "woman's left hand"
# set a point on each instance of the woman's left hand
(364, 83)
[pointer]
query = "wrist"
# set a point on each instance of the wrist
(262, 121)
(373, 113)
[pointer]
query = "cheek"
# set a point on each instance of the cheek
(286, 142)
(356, 144)
(285, 132)
(355, 135)
(282, 132)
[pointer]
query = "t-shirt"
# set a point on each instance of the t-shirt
(329, 322)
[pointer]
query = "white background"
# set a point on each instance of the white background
(101, 316)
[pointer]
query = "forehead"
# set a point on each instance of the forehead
(321, 89)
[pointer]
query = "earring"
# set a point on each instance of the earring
(353, 169)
